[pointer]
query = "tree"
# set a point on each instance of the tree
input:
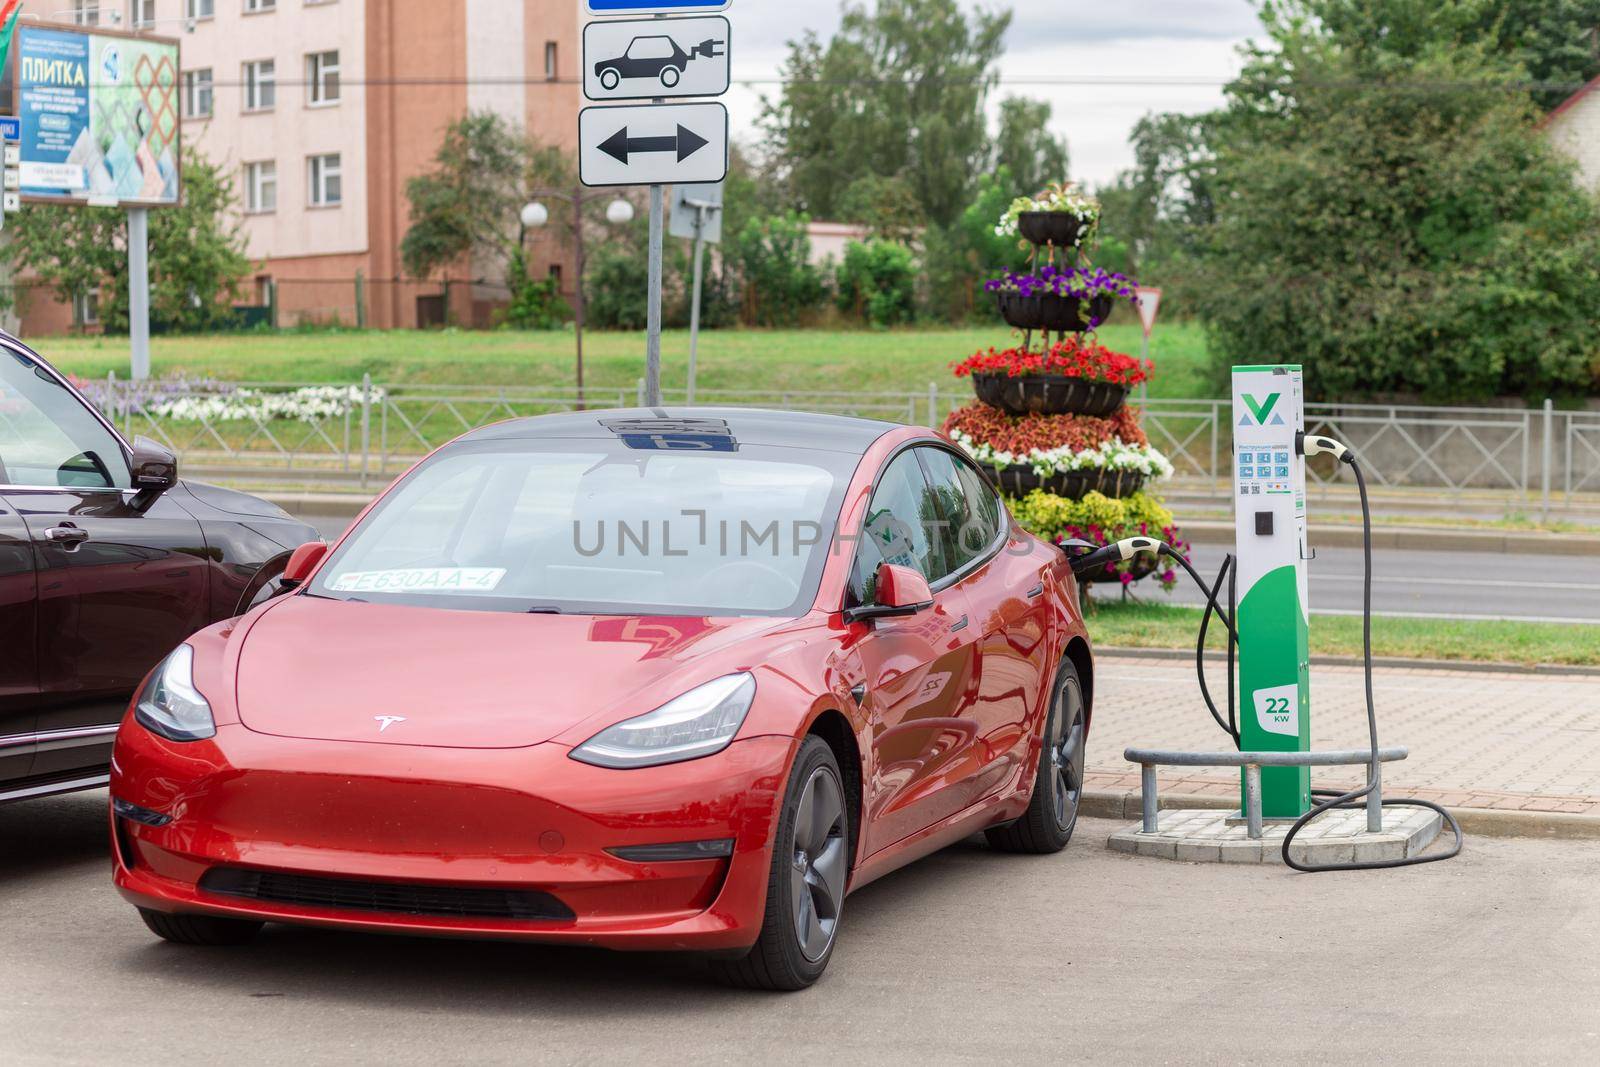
(468, 206)
(887, 207)
(773, 258)
(1026, 147)
(197, 252)
(1555, 42)
(1396, 223)
(900, 91)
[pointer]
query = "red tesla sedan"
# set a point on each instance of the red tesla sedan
(642, 680)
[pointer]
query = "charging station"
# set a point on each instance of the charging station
(1268, 712)
(1273, 610)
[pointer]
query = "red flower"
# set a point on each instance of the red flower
(1076, 357)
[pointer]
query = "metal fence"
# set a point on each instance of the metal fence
(372, 429)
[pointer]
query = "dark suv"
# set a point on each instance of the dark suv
(107, 562)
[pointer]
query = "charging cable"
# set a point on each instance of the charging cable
(1099, 556)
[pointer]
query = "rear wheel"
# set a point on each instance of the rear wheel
(1052, 814)
(805, 888)
(670, 76)
(199, 929)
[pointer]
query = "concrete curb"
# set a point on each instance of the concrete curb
(1114, 804)
(1417, 538)
(333, 505)
(1378, 662)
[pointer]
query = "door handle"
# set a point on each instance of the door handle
(1036, 591)
(959, 624)
(67, 535)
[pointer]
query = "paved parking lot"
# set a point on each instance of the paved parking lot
(968, 956)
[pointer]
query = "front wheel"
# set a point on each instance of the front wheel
(805, 887)
(610, 78)
(1052, 814)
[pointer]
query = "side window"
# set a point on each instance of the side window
(902, 527)
(968, 506)
(48, 437)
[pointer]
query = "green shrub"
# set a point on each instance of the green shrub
(878, 282)
(773, 257)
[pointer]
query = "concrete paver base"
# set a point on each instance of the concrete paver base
(1206, 836)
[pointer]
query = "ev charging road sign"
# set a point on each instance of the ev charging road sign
(1273, 612)
(645, 144)
(11, 185)
(652, 7)
(650, 59)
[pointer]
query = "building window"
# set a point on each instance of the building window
(555, 275)
(197, 93)
(261, 187)
(86, 12)
(86, 308)
(260, 85)
(199, 9)
(252, 7)
(552, 66)
(322, 74)
(326, 185)
(144, 12)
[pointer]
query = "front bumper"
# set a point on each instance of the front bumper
(434, 819)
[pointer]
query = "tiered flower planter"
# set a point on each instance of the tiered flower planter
(1052, 424)
(1049, 394)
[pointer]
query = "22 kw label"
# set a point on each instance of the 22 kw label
(1278, 709)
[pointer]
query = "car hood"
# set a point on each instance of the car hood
(336, 670)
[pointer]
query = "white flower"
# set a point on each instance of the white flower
(307, 404)
(1110, 455)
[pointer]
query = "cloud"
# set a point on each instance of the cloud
(1189, 41)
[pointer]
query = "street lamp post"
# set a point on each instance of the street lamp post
(535, 216)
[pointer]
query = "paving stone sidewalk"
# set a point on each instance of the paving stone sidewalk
(1477, 739)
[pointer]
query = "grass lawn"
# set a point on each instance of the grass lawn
(1163, 626)
(902, 361)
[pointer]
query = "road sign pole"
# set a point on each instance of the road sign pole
(694, 308)
(139, 290)
(1144, 357)
(652, 352)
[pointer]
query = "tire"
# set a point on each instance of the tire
(199, 929)
(814, 813)
(1052, 813)
(670, 76)
(610, 79)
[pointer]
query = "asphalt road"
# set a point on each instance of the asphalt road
(1089, 956)
(1452, 585)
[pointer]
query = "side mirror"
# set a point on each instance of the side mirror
(154, 469)
(901, 591)
(301, 564)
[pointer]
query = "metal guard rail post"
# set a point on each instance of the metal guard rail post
(1149, 759)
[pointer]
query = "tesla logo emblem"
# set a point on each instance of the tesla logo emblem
(386, 721)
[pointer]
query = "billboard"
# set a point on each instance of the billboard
(99, 114)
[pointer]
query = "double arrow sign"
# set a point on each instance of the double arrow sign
(654, 59)
(619, 146)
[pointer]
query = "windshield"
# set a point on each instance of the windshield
(596, 528)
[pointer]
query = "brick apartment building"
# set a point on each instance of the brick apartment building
(322, 109)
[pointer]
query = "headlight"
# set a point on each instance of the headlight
(170, 704)
(699, 723)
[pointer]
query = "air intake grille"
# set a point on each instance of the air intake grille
(388, 897)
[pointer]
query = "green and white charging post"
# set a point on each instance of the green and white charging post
(1273, 610)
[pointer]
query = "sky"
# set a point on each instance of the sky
(1186, 49)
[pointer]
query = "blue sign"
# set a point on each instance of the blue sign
(53, 102)
(652, 7)
(10, 128)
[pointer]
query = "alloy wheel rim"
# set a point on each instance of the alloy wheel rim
(819, 864)
(1067, 754)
